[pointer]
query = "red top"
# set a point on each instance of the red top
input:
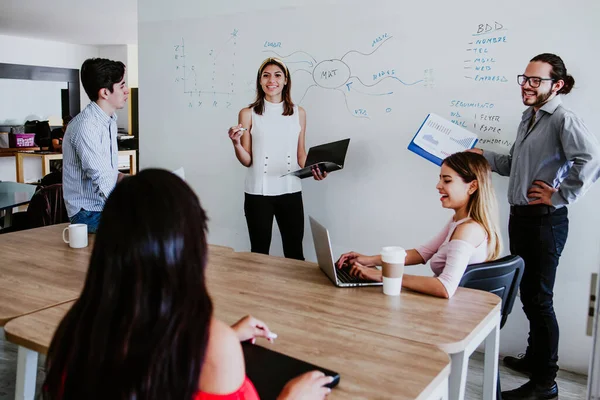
(245, 392)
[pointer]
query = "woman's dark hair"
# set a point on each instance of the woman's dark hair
(259, 103)
(100, 73)
(559, 71)
(140, 328)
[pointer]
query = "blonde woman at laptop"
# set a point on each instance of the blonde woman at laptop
(472, 236)
(270, 141)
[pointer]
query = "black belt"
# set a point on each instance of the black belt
(536, 210)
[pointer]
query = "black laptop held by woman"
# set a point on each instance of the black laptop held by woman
(327, 157)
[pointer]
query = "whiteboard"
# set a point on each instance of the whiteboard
(371, 72)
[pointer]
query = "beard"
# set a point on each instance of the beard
(539, 100)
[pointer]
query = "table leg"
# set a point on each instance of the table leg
(19, 166)
(444, 395)
(7, 218)
(132, 164)
(458, 375)
(26, 374)
(441, 392)
(45, 166)
(490, 366)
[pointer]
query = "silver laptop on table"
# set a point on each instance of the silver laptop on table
(339, 277)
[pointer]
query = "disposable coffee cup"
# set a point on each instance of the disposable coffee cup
(392, 259)
(76, 235)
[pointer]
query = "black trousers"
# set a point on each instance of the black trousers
(288, 210)
(539, 240)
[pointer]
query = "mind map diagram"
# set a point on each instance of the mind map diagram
(336, 74)
(213, 84)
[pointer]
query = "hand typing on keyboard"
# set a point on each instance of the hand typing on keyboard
(368, 273)
(350, 258)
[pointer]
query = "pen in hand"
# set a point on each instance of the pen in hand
(271, 336)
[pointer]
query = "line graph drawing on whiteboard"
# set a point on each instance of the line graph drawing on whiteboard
(336, 74)
(202, 92)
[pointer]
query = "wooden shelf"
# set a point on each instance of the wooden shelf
(10, 151)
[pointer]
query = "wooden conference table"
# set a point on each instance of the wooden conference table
(37, 271)
(370, 365)
(457, 326)
(293, 295)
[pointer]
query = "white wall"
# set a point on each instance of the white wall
(132, 65)
(17, 50)
(181, 130)
(24, 99)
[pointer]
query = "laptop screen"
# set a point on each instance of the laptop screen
(334, 152)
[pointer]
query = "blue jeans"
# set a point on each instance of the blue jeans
(539, 240)
(90, 218)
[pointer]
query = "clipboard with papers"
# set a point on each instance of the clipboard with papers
(328, 157)
(438, 138)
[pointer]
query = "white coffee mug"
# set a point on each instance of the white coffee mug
(77, 237)
(393, 259)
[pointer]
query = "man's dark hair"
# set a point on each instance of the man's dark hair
(100, 73)
(559, 71)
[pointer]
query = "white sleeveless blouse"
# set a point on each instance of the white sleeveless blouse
(274, 152)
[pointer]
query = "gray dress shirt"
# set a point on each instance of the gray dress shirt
(558, 149)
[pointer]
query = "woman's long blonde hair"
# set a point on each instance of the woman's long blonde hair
(482, 206)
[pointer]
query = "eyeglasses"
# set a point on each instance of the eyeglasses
(534, 81)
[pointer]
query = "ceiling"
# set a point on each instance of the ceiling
(86, 22)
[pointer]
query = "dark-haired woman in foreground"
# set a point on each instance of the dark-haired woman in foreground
(143, 327)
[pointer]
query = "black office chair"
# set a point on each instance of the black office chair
(501, 277)
(47, 207)
(52, 178)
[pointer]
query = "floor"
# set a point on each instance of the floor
(571, 386)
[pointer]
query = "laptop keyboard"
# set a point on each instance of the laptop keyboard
(343, 275)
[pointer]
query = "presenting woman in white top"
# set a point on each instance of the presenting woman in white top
(269, 141)
(472, 236)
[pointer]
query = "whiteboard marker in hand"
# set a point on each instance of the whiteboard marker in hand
(270, 337)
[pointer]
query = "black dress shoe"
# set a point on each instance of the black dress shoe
(531, 391)
(520, 364)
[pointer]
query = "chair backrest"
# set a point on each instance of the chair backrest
(52, 178)
(501, 277)
(47, 207)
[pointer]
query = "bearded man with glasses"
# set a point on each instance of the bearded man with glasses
(553, 162)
